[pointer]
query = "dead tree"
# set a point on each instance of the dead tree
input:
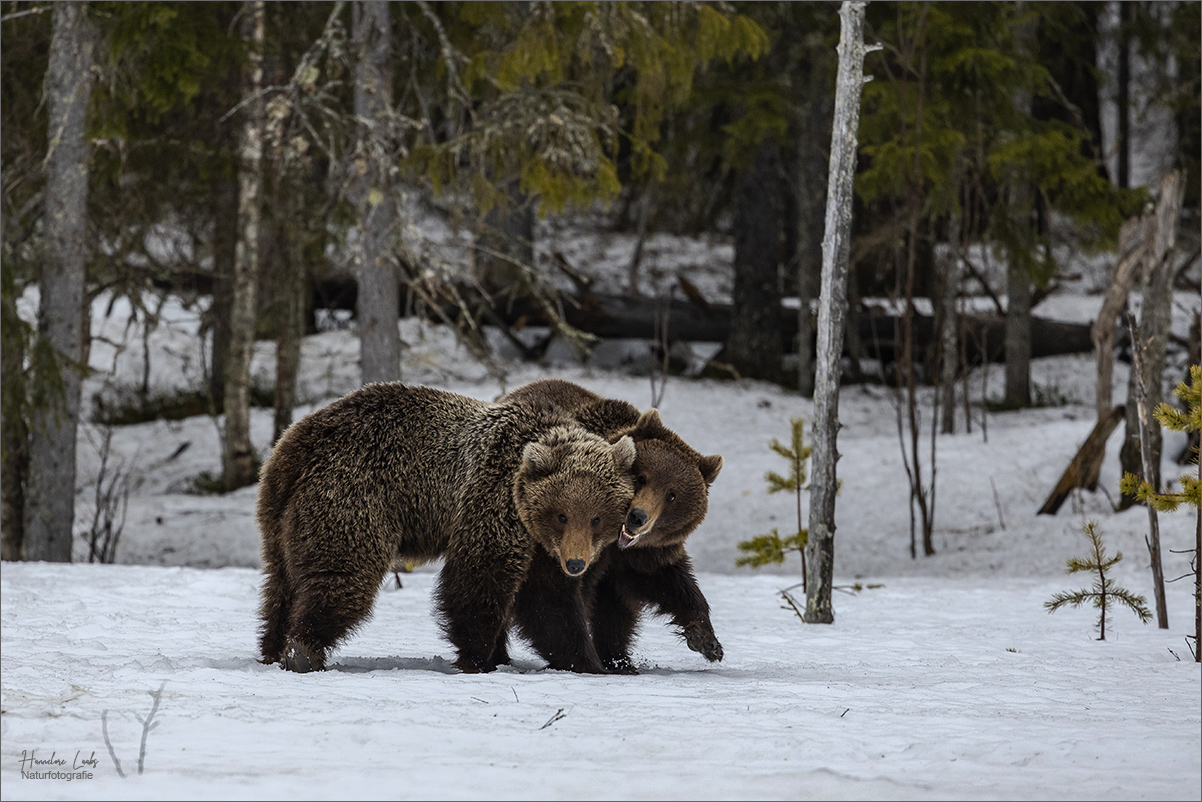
(1133, 239)
(832, 312)
(1148, 458)
(1155, 317)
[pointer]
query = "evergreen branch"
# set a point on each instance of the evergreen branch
(1138, 604)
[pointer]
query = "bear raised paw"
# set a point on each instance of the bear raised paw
(414, 473)
(648, 566)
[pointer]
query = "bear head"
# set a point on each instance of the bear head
(671, 492)
(573, 490)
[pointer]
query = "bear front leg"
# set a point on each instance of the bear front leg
(615, 622)
(551, 614)
(673, 589)
(474, 597)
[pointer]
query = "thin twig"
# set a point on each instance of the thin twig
(149, 724)
(104, 727)
(558, 715)
(998, 504)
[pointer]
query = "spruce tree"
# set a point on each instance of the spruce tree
(772, 548)
(1104, 589)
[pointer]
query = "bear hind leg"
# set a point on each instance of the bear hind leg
(275, 604)
(326, 608)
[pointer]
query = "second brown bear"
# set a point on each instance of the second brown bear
(648, 567)
(393, 470)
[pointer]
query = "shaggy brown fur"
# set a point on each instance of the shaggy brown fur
(393, 471)
(648, 566)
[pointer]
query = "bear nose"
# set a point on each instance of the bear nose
(575, 567)
(636, 518)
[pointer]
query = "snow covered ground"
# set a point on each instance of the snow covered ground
(942, 677)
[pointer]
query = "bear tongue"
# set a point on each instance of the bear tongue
(626, 540)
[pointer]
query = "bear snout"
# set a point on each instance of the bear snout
(576, 567)
(635, 519)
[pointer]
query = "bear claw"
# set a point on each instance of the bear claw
(702, 639)
(296, 660)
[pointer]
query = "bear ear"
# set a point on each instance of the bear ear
(537, 460)
(649, 426)
(709, 467)
(624, 454)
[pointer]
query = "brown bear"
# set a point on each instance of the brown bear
(648, 566)
(417, 473)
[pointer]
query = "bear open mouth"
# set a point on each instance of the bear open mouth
(626, 540)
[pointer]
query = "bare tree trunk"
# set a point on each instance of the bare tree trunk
(379, 300)
(832, 310)
(1133, 238)
(949, 325)
(14, 429)
(1018, 276)
(239, 454)
(1155, 318)
(1018, 334)
(1123, 99)
(754, 345)
(292, 296)
(50, 488)
(1148, 469)
(224, 247)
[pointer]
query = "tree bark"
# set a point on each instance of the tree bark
(1155, 319)
(1133, 238)
(292, 295)
(14, 429)
(832, 310)
(754, 345)
(379, 339)
(1018, 276)
(1148, 469)
(224, 247)
(239, 455)
(50, 489)
(1123, 100)
(949, 325)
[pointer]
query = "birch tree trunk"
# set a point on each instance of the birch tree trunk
(832, 310)
(239, 456)
(378, 304)
(50, 489)
(1155, 318)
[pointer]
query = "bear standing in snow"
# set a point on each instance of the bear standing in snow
(648, 566)
(394, 471)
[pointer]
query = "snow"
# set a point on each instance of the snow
(942, 677)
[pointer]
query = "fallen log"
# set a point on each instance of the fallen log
(616, 316)
(1086, 465)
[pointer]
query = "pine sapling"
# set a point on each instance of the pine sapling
(1188, 421)
(771, 548)
(1104, 589)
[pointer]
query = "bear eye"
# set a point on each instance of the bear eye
(596, 521)
(671, 497)
(563, 519)
(640, 480)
